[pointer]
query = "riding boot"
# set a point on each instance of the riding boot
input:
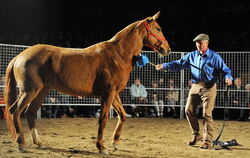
(206, 144)
(194, 140)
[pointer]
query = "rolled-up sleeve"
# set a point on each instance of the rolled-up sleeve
(226, 71)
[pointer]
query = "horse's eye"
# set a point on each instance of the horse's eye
(158, 29)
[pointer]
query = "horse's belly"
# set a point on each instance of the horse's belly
(76, 86)
(75, 92)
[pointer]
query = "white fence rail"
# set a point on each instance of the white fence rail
(237, 61)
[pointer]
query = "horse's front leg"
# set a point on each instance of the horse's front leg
(117, 105)
(105, 107)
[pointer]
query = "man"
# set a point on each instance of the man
(205, 65)
(139, 96)
(247, 87)
(238, 98)
(156, 99)
(172, 98)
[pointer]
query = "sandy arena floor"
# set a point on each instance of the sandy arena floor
(141, 137)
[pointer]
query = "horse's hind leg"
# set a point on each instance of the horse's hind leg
(31, 116)
(22, 102)
(117, 105)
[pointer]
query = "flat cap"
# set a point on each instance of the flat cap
(201, 37)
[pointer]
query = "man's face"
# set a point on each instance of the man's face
(154, 85)
(161, 80)
(201, 45)
(137, 82)
(237, 82)
(171, 81)
(190, 82)
(248, 88)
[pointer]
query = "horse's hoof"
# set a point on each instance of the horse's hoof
(40, 146)
(105, 152)
(22, 149)
(115, 146)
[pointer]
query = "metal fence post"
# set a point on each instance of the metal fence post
(182, 93)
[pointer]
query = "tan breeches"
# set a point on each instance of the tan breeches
(201, 94)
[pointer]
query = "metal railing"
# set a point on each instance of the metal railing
(237, 61)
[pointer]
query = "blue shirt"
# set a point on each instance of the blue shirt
(211, 65)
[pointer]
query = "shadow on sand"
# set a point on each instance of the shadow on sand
(89, 153)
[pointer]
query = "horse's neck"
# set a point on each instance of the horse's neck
(123, 46)
(129, 44)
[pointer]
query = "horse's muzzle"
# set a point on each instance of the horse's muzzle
(164, 52)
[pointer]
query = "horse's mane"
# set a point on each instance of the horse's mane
(124, 31)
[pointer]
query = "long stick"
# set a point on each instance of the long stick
(155, 66)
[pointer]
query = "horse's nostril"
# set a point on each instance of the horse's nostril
(162, 51)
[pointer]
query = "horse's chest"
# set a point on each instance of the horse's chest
(117, 75)
(122, 81)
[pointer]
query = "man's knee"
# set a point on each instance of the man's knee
(207, 114)
(188, 110)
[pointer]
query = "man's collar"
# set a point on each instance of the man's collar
(205, 53)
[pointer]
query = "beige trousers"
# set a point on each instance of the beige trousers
(201, 94)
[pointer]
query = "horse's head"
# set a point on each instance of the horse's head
(155, 38)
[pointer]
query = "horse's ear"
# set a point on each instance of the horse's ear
(156, 15)
(149, 20)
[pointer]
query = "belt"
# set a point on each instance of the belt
(208, 85)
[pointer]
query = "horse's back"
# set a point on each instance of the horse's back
(72, 71)
(38, 51)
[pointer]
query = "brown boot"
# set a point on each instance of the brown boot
(195, 139)
(206, 144)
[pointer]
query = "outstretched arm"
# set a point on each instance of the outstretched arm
(176, 65)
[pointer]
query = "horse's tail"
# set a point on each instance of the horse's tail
(10, 96)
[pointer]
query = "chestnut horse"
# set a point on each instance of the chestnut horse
(102, 70)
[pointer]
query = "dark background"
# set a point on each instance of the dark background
(82, 23)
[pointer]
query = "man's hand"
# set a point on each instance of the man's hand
(159, 67)
(228, 81)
